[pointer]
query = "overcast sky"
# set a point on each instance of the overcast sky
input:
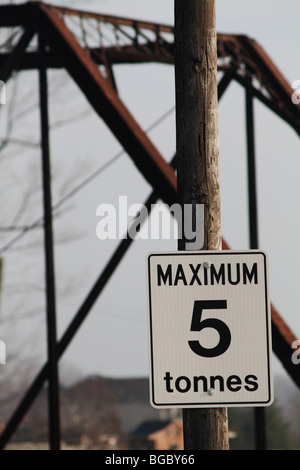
(113, 339)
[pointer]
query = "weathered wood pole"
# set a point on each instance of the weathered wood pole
(198, 165)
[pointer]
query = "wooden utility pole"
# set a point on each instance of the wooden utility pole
(198, 165)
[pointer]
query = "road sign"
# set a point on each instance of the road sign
(209, 329)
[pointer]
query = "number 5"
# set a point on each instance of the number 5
(218, 325)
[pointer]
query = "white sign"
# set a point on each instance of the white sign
(209, 329)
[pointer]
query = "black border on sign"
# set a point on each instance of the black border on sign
(268, 331)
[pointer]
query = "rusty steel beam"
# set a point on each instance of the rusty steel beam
(273, 81)
(123, 55)
(114, 20)
(293, 119)
(143, 53)
(106, 102)
(270, 75)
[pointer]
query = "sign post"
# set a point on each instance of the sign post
(197, 151)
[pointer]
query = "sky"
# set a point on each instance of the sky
(113, 340)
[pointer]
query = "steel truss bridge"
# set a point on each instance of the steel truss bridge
(88, 45)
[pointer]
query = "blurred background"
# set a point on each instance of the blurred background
(89, 167)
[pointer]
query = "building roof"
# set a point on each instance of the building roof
(149, 427)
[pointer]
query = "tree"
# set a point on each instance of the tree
(22, 320)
